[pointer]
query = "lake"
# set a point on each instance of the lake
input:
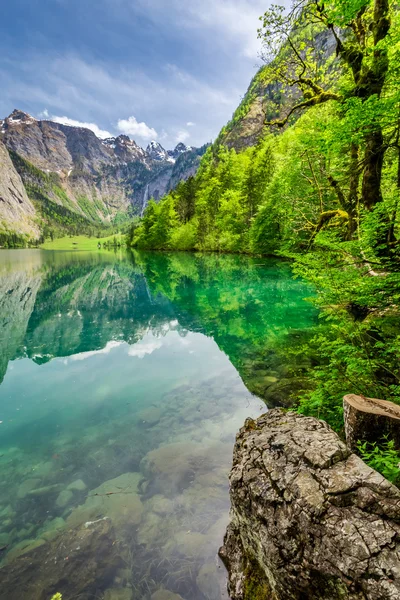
(124, 379)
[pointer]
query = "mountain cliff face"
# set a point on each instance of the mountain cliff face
(17, 213)
(70, 170)
(265, 101)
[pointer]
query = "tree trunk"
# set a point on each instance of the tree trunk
(373, 160)
(369, 419)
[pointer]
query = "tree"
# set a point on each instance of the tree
(361, 33)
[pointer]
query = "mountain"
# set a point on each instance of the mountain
(72, 176)
(157, 152)
(267, 100)
(16, 210)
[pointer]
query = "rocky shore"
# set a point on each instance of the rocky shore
(309, 519)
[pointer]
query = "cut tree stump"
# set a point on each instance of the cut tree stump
(369, 419)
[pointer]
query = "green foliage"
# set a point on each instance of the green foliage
(10, 239)
(382, 457)
(213, 211)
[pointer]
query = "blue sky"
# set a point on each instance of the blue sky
(171, 70)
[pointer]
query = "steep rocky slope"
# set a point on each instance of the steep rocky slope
(99, 180)
(17, 212)
(266, 100)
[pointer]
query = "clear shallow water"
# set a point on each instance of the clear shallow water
(124, 381)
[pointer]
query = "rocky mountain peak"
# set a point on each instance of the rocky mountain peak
(156, 152)
(179, 149)
(16, 118)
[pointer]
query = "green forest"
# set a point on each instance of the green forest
(321, 188)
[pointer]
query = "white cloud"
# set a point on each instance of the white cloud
(132, 127)
(234, 21)
(144, 347)
(182, 136)
(101, 133)
(69, 85)
(106, 350)
(190, 124)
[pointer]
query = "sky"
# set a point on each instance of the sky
(166, 70)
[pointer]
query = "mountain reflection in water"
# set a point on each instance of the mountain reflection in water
(125, 379)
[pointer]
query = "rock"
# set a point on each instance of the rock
(161, 505)
(43, 469)
(77, 563)
(165, 595)
(369, 419)
(23, 548)
(4, 539)
(16, 209)
(7, 513)
(151, 416)
(310, 520)
(186, 544)
(116, 499)
(26, 486)
(64, 498)
(77, 486)
(52, 528)
(47, 489)
(118, 594)
(208, 583)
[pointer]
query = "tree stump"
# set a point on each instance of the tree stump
(369, 419)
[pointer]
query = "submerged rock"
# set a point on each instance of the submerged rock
(118, 594)
(64, 498)
(310, 520)
(24, 547)
(117, 499)
(26, 486)
(165, 595)
(77, 486)
(76, 564)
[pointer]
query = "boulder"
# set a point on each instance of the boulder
(77, 486)
(64, 498)
(309, 519)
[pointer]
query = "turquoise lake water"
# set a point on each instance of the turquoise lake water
(124, 379)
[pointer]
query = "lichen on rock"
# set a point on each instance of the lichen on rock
(309, 519)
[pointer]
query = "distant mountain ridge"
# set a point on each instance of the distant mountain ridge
(100, 180)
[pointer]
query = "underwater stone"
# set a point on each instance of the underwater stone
(7, 512)
(43, 469)
(151, 530)
(187, 543)
(208, 583)
(23, 548)
(26, 486)
(64, 498)
(161, 505)
(116, 498)
(4, 539)
(151, 416)
(78, 486)
(165, 595)
(78, 563)
(47, 489)
(118, 594)
(52, 528)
